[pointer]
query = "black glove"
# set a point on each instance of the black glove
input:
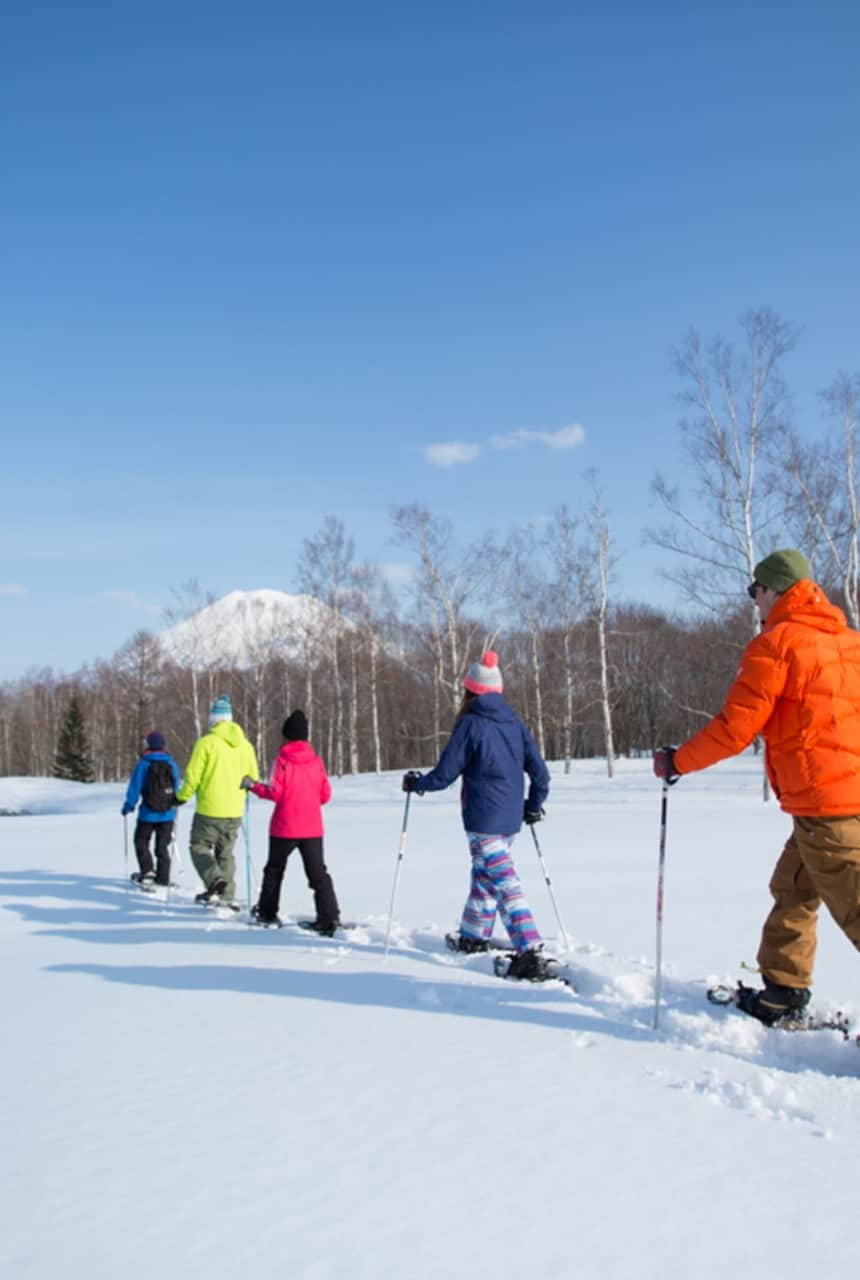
(664, 765)
(411, 781)
(531, 816)
(126, 811)
(247, 783)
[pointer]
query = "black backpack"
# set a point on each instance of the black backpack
(159, 789)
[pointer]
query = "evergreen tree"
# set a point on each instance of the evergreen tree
(72, 760)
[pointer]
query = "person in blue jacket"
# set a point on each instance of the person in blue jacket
(491, 749)
(154, 782)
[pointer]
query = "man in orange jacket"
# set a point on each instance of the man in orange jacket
(799, 685)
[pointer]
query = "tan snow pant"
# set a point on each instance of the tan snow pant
(820, 863)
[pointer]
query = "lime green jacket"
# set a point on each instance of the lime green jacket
(219, 761)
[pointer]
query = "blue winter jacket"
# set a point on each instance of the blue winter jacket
(491, 748)
(135, 788)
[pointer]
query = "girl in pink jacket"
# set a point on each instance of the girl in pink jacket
(299, 787)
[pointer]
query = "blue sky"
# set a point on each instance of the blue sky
(258, 259)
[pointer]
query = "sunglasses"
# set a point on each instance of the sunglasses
(755, 587)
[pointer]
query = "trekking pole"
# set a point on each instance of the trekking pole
(397, 871)
(246, 829)
(173, 858)
(561, 928)
(661, 868)
(125, 848)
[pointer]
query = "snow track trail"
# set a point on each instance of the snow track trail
(315, 1090)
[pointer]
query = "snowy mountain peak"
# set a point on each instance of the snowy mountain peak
(247, 627)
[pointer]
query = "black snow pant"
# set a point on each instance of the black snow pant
(163, 835)
(319, 880)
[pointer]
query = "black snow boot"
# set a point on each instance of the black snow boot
(213, 893)
(143, 878)
(463, 942)
(531, 966)
(328, 928)
(259, 917)
(774, 1003)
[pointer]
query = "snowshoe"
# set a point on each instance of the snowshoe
(265, 922)
(144, 880)
(211, 897)
(464, 943)
(773, 1003)
(325, 928)
(531, 966)
(784, 1008)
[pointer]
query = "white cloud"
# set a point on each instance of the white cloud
(570, 437)
(451, 454)
(131, 598)
(12, 589)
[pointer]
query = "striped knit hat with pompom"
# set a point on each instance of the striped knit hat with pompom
(484, 676)
(221, 710)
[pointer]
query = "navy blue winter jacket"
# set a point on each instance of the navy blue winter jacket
(492, 749)
(135, 788)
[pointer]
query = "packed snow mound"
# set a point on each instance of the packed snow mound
(21, 796)
(247, 627)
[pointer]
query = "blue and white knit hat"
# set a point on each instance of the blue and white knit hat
(221, 709)
(484, 676)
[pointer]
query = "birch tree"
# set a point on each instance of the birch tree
(597, 568)
(821, 484)
(449, 580)
(371, 608)
(736, 414)
(193, 654)
(566, 588)
(324, 572)
(529, 596)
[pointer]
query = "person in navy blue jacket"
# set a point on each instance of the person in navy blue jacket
(157, 813)
(491, 749)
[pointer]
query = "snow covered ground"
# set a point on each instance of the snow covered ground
(184, 1096)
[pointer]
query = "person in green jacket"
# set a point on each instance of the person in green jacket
(219, 761)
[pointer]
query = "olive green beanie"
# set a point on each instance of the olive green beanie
(781, 569)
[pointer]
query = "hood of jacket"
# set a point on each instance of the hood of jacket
(806, 604)
(229, 733)
(297, 752)
(492, 706)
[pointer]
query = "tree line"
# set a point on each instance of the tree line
(664, 675)
(379, 673)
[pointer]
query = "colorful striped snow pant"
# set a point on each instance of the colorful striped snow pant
(495, 886)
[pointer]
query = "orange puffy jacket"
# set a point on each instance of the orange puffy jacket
(799, 685)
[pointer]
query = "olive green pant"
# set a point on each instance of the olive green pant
(820, 863)
(212, 841)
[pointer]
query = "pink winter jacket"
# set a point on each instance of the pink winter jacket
(299, 786)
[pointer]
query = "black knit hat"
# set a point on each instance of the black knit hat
(295, 727)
